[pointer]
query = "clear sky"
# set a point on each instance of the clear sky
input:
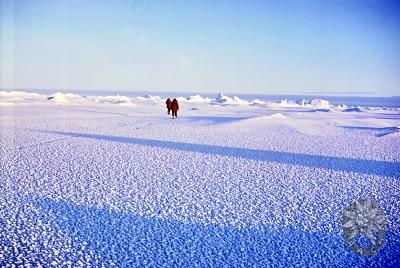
(267, 47)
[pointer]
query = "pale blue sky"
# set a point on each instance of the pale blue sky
(268, 47)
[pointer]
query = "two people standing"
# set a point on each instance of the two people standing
(172, 106)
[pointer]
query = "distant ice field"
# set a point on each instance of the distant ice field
(350, 100)
(115, 181)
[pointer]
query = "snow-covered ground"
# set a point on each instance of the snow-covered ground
(113, 180)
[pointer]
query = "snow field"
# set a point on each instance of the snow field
(126, 186)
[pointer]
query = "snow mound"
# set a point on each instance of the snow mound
(276, 115)
(282, 104)
(318, 104)
(180, 99)
(269, 117)
(65, 98)
(20, 96)
(121, 100)
(258, 121)
(198, 99)
(6, 103)
(225, 100)
(152, 98)
(149, 98)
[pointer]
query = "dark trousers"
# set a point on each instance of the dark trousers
(169, 110)
(174, 114)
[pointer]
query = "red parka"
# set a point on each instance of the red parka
(174, 106)
(168, 102)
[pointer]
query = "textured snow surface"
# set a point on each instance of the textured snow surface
(125, 185)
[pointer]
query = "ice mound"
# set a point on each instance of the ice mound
(301, 102)
(353, 109)
(320, 103)
(60, 99)
(221, 98)
(380, 109)
(257, 102)
(314, 103)
(65, 98)
(225, 100)
(324, 110)
(340, 107)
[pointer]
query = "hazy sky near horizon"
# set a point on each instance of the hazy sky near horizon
(267, 47)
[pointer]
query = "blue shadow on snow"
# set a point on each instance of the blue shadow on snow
(370, 167)
(127, 240)
(384, 130)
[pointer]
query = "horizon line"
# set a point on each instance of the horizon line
(363, 94)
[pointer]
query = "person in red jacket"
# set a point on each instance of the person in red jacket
(174, 108)
(168, 102)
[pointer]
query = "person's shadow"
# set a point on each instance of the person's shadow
(363, 166)
(125, 240)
